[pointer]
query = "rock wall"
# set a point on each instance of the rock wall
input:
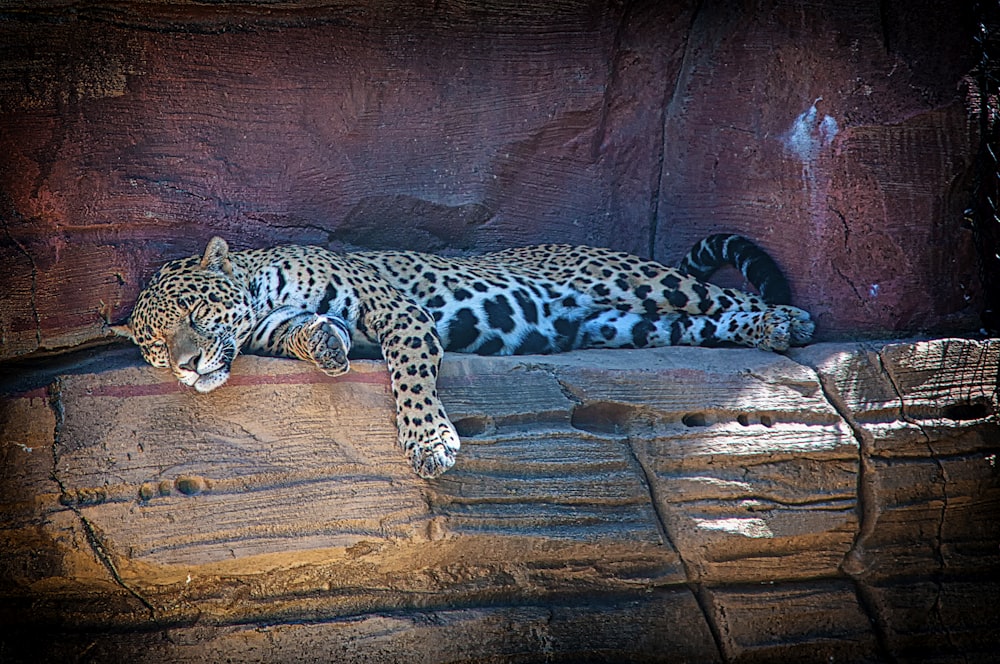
(674, 505)
(681, 504)
(835, 134)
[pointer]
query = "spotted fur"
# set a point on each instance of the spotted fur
(312, 304)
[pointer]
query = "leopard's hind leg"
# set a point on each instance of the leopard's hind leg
(773, 328)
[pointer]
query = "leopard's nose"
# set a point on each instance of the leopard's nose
(191, 363)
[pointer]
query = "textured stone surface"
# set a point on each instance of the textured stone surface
(681, 504)
(131, 132)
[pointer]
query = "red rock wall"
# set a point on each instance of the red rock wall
(132, 132)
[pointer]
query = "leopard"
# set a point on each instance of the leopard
(327, 307)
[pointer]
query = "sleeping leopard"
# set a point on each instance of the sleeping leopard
(309, 303)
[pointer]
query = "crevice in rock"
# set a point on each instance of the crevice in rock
(854, 564)
(692, 580)
(566, 389)
(97, 545)
(611, 85)
(933, 454)
(671, 98)
(867, 489)
(874, 611)
(68, 499)
(847, 280)
(273, 223)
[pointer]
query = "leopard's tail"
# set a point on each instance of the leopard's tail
(721, 249)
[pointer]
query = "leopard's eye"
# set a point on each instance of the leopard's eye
(195, 318)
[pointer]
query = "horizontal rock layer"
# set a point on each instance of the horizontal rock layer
(675, 504)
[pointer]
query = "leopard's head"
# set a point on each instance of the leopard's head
(193, 317)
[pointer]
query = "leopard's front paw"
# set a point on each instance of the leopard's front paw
(433, 452)
(801, 325)
(329, 344)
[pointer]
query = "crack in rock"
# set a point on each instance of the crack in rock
(943, 474)
(854, 564)
(68, 499)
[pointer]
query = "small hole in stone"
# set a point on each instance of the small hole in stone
(967, 411)
(766, 420)
(190, 486)
(743, 419)
(694, 420)
(471, 426)
(603, 417)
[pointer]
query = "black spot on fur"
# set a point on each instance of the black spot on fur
(534, 342)
(462, 330)
(677, 329)
(602, 290)
(462, 294)
(671, 281)
(608, 332)
(640, 333)
(650, 309)
(431, 343)
(435, 302)
(704, 303)
(527, 307)
(491, 347)
(328, 297)
(708, 334)
(498, 313)
(676, 298)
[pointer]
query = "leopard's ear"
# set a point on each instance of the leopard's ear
(217, 256)
(123, 331)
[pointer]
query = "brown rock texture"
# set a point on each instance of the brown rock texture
(835, 134)
(680, 504)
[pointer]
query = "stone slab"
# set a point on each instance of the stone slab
(718, 504)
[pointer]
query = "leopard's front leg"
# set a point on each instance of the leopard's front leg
(412, 350)
(317, 338)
